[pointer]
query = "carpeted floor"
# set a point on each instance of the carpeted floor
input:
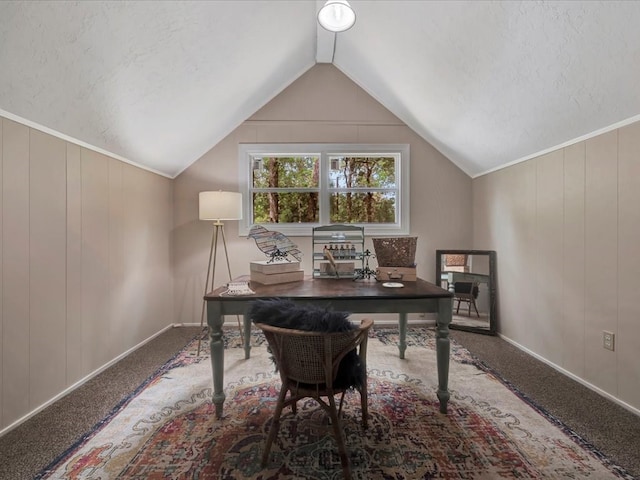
(614, 430)
(28, 448)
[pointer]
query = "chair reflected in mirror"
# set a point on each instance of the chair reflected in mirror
(466, 292)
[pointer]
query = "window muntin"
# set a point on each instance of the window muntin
(292, 188)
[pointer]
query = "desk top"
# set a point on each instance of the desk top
(335, 288)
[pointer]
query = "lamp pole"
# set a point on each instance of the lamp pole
(217, 206)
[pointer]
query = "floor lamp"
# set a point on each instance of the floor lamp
(216, 207)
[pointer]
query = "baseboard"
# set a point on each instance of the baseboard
(80, 382)
(567, 373)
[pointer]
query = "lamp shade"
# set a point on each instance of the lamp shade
(220, 205)
(337, 16)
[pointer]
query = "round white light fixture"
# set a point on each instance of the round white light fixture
(337, 16)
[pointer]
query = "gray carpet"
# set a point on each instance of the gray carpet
(611, 428)
(27, 449)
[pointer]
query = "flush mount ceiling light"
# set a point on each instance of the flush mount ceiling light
(337, 16)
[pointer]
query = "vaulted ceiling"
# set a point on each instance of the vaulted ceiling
(160, 83)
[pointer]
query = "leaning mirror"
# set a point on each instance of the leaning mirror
(471, 276)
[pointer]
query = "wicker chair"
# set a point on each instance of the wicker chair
(308, 364)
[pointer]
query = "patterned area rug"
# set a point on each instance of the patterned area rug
(167, 429)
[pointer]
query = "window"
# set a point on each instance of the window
(300, 186)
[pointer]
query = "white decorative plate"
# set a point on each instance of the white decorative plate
(392, 285)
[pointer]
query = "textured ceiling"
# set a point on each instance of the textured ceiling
(160, 83)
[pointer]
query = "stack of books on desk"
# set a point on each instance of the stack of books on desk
(275, 272)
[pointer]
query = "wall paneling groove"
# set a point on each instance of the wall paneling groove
(85, 266)
(583, 214)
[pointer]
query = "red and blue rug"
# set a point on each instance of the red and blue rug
(167, 429)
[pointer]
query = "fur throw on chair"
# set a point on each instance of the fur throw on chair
(287, 314)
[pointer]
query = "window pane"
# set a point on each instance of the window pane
(369, 207)
(283, 207)
(285, 172)
(353, 172)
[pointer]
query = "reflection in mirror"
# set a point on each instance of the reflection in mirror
(470, 276)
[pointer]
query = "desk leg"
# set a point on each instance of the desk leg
(442, 350)
(247, 336)
(403, 334)
(215, 321)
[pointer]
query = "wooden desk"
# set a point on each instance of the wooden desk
(343, 295)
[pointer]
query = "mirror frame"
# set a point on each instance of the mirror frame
(493, 311)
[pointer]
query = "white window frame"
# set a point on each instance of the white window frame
(401, 152)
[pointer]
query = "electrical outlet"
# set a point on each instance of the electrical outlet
(608, 339)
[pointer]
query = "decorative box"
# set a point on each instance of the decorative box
(275, 272)
(344, 268)
(275, 278)
(455, 263)
(397, 274)
(263, 266)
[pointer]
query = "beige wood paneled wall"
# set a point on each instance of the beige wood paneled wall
(566, 227)
(85, 273)
(321, 106)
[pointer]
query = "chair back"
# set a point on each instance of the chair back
(313, 358)
(465, 289)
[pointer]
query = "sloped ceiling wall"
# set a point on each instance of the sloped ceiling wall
(160, 83)
(155, 83)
